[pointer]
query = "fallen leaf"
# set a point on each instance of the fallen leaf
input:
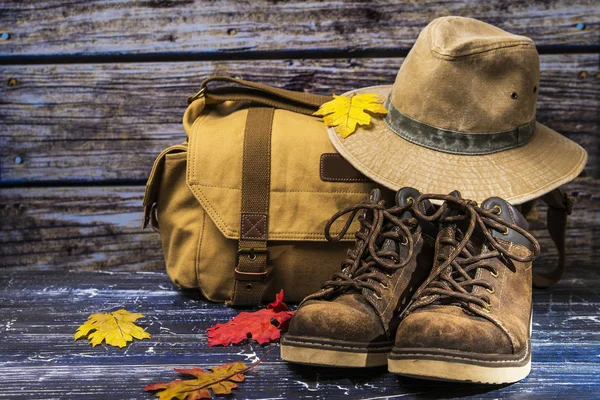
(345, 113)
(263, 326)
(116, 328)
(221, 380)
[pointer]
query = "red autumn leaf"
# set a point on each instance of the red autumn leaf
(264, 325)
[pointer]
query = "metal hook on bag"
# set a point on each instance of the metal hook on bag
(200, 93)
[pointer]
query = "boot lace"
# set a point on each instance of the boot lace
(368, 255)
(454, 277)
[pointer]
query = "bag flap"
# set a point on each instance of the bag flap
(300, 202)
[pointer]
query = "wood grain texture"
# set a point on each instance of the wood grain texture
(83, 228)
(42, 310)
(93, 122)
(48, 28)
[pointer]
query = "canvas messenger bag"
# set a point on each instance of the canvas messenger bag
(242, 204)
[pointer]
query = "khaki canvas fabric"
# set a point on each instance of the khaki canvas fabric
(464, 81)
(194, 199)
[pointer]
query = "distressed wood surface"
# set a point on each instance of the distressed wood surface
(91, 91)
(93, 122)
(83, 228)
(180, 28)
(41, 311)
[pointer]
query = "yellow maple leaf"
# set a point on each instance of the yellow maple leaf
(346, 112)
(221, 380)
(116, 328)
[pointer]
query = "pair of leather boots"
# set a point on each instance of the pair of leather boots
(433, 291)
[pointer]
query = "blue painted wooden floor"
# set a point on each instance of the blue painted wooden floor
(40, 311)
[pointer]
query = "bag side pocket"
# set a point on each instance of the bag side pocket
(176, 215)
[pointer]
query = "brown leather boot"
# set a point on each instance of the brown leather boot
(351, 322)
(471, 319)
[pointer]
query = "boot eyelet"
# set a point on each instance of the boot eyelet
(384, 286)
(494, 273)
(410, 201)
(505, 232)
(388, 275)
(492, 290)
(404, 241)
(497, 210)
(378, 297)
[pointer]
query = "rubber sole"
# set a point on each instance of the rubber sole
(333, 356)
(457, 371)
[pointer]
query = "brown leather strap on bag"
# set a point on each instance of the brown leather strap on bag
(559, 208)
(251, 270)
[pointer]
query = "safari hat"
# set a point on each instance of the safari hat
(461, 115)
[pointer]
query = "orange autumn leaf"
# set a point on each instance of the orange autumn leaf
(220, 380)
(264, 325)
(344, 113)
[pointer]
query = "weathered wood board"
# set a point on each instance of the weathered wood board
(83, 228)
(94, 122)
(92, 91)
(42, 310)
(180, 28)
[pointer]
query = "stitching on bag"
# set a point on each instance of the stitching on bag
(157, 161)
(233, 232)
(199, 249)
(280, 191)
(220, 222)
(175, 158)
(254, 226)
(244, 168)
(267, 198)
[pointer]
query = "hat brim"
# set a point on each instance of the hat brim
(517, 175)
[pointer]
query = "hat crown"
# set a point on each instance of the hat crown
(468, 76)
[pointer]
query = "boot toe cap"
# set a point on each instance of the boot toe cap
(454, 331)
(340, 321)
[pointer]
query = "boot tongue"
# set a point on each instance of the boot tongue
(456, 230)
(449, 231)
(511, 215)
(452, 210)
(403, 197)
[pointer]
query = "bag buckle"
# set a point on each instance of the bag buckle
(252, 252)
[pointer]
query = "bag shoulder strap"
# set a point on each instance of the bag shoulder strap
(300, 102)
(559, 208)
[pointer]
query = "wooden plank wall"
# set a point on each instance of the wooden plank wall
(92, 91)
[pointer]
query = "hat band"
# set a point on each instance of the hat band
(455, 142)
